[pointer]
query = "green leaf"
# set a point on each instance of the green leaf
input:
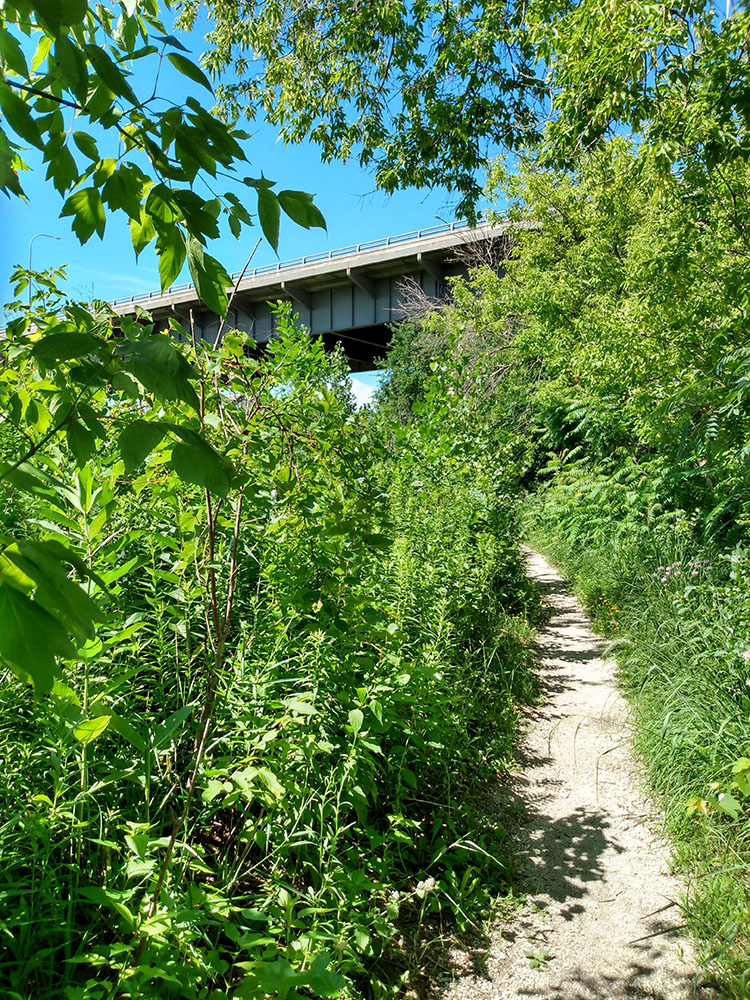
(88, 213)
(44, 565)
(209, 277)
(161, 368)
(142, 232)
(355, 720)
(30, 638)
(271, 782)
(279, 977)
(62, 169)
(299, 206)
(11, 54)
(42, 50)
(165, 729)
(80, 441)
(202, 467)
(138, 440)
(54, 14)
(109, 73)
(238, 209)
(86, 732)
(161, 205)
(170, 40)
(300, 707)
(18, 115)
(728, 804)
(190, 70)
(193, 152)
(321, 981)
(87, 145)
(269, 213)
(170, 246)
(103, 898)
(65, 554)
(66, 345)
(124, 189)
(8, 167)
(71, 68)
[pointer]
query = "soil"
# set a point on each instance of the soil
(601, 920)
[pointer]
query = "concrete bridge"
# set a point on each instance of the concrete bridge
(348, 295)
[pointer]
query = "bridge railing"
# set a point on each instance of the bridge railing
(313, 258)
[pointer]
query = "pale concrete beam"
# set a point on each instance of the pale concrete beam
(362, 280)
(431, 267)
(297, 293)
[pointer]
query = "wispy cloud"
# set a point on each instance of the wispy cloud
(146, 284)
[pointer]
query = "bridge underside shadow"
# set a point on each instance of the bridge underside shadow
(363, 347)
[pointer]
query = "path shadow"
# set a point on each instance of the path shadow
(560, 651)
(555, 857)
(559, 859)
(638, 980)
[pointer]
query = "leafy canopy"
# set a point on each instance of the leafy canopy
(428, 92)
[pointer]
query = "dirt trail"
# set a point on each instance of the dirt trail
(597, 924)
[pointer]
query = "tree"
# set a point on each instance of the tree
(417, 90)
(674, 76)
(428, 92)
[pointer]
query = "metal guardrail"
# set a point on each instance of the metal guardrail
(314, 258)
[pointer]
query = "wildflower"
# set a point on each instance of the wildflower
(665, 579)
(746, 655)
(694, 572)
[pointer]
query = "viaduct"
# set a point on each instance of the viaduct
(348, 296)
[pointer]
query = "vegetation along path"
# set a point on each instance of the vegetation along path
(601, 919)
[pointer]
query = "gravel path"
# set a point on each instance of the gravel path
(598, 923)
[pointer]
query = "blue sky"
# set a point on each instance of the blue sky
(107, 269)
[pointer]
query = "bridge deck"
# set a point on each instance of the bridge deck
(376, 257)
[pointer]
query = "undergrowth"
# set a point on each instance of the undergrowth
(278, 807)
